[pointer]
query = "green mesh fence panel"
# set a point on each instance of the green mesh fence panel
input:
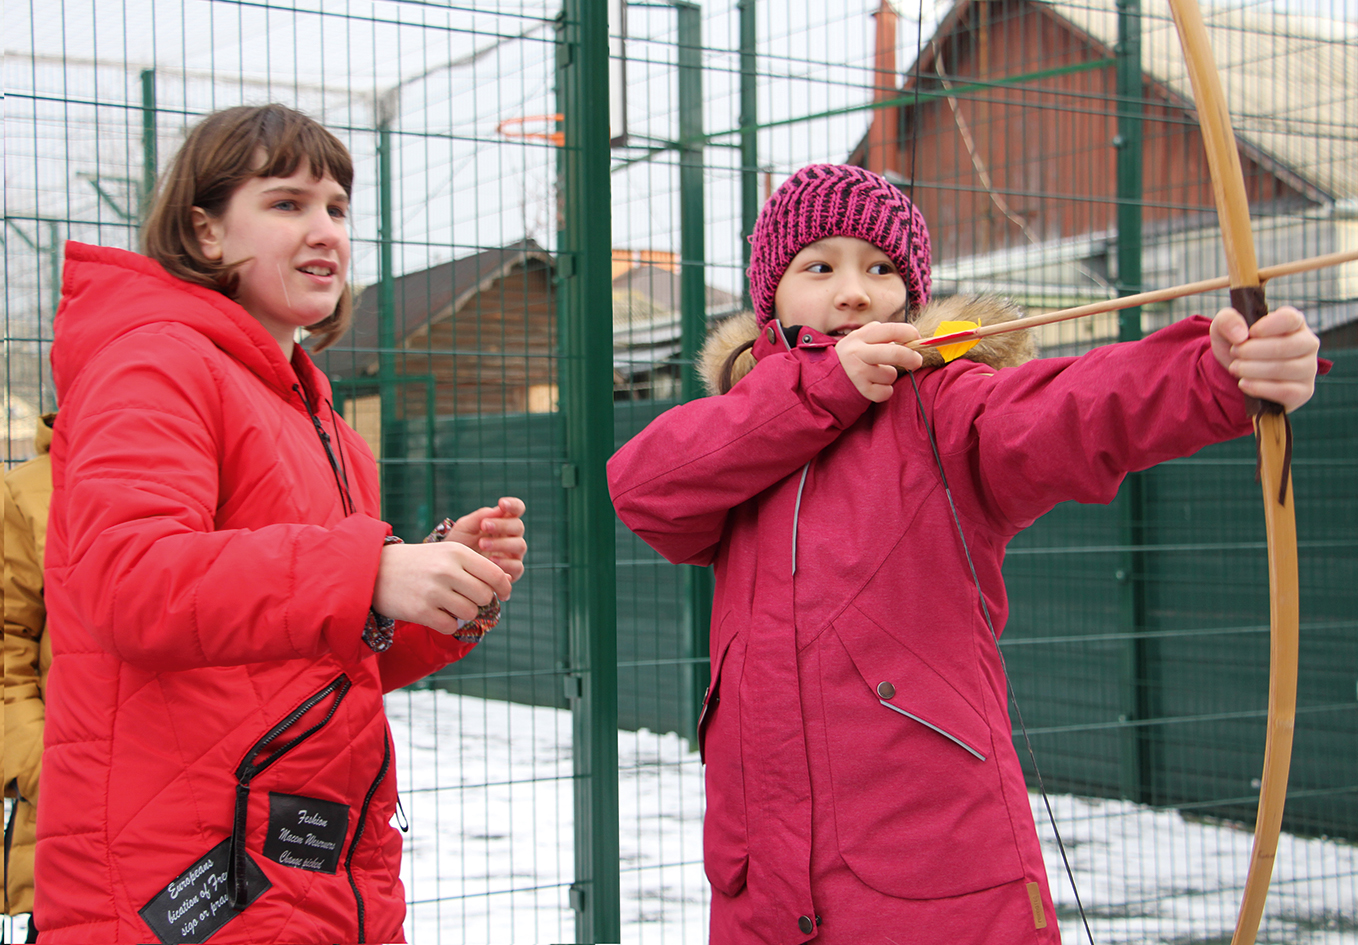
(1053, 149)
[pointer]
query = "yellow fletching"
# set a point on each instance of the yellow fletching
(954, 351)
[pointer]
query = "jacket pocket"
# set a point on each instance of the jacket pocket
(726, 851)
(310, 716)
(919, 808)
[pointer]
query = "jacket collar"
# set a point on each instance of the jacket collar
(107, 293)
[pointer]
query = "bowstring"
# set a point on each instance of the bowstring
(957, 520)
(1004, 668)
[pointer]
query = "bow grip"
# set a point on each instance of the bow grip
(1249, 301)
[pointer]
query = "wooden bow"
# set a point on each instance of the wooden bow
(1274, 437)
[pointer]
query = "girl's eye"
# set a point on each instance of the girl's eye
(339, 213)
(819, 267)
(285, 205)
(881, 269)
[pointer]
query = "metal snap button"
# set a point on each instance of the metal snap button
(886, 690)
(773, 334)
(806, 924)
(806, 339)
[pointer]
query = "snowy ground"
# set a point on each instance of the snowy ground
(491, 822)
(487, 789)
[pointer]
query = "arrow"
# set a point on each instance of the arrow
(1130, 301)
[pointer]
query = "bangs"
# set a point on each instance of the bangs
(288, 139)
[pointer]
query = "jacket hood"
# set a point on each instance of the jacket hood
(998, 351)
(107, 293)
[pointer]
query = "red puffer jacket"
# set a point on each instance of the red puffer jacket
(218, 765)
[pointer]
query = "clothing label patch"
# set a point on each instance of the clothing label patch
(197, 902)
(306, 833)
(1035, 900)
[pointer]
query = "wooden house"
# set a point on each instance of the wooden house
(1008, 141)
(478, 336)
(472, 336)
(647, 326)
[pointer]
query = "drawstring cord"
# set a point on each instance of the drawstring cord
(341, 480)
(339, 447)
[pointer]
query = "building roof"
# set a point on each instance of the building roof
(1291, 82)
(662, 287)
(647, 322)
(646, 317)
(423, 299)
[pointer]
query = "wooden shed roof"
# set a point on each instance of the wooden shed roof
(423, 298)
(1291, 81)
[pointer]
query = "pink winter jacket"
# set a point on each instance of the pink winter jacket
(862, 784)
(215, 734)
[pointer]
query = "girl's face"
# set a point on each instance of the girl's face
(291, 234)
(838, 284)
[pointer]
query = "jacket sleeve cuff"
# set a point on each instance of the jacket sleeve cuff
(834, 392)
(1224, 386)
(345, 635)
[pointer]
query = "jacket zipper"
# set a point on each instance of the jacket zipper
(358, 831)
(246, 771)
(797, 513)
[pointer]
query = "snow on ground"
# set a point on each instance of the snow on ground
(487, 787)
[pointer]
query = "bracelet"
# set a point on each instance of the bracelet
(380, 630)
(469, 631)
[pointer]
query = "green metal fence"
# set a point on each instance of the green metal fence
(526, 170)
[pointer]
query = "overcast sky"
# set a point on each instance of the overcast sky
(448, 78)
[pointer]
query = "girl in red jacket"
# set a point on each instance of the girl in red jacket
(862, 785)
(225, 608)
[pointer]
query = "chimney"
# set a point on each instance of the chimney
(884, 132)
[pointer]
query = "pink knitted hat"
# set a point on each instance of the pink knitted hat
(825, 200)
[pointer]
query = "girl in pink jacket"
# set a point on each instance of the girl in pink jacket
(862, 784)
(224, 606)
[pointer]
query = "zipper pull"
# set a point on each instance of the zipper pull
(401, 820)
(235, 870)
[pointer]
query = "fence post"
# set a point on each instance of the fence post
(1129, 158)
(1140, 687)
(697, 582)
(391, 434)
(586, 336)
(749, 138)
(149, 159)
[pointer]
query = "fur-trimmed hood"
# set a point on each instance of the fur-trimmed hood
(997, 351)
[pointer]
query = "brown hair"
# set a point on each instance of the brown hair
(725, 380)
(221, 153)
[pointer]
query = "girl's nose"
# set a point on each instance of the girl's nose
(851, 294)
